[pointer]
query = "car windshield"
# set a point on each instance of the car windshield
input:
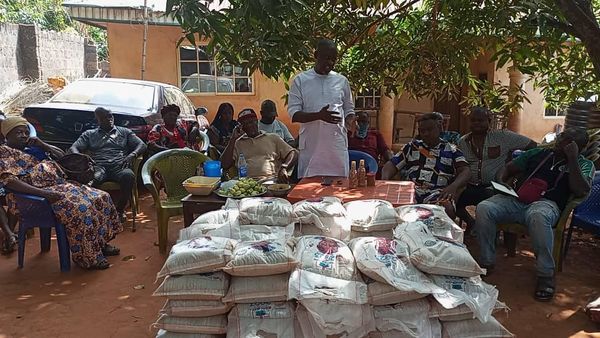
(108, 93)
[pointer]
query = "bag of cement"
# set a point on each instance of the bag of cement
(434, 217)
(310, 285)
(326, 256)
(321, 319)
(409, 319)
(224, 230)
(371, 215)
(198, 255)
(384, 234)
(435, 255)
(194, 308)
(205, 325)
(261, 258)
(166, 334)
(253, 232)
(267, 211)
(258, 289)
(387, 261)
(262, 320)
(473, 328)
(477, 295)
(384, 294)
(461, 312)
(207, 286)
(327, 215)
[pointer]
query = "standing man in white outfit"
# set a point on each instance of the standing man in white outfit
(320, 99)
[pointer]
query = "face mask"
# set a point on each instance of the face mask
(363, 128)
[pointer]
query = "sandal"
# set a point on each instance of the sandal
(9, 245)
(110, 250)
(101, 265)
(544, 290)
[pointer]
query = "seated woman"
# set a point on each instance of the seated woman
(171, 134)
(222, 126)
(89, 215)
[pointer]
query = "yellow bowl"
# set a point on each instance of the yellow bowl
(279, 189)
(201, 185)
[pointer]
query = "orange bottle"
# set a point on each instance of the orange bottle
(362, 174)
(353, 176)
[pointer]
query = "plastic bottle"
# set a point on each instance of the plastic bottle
(362, 174)
(242, 166)
(353, 176)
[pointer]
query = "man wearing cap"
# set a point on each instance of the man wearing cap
(269, 124)
(267, 155)
(321, 100)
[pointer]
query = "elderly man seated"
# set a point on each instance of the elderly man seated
(438, 168)
(267, 155)
(113, 149)
(547, 177)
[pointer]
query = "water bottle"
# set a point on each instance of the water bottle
(242, 166)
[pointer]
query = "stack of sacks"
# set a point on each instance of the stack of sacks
(260, 269)
(221, 223)
(332, 295)
(193, 290)
(372, 218)
(325, 216)
(398, 288)
(434, 217)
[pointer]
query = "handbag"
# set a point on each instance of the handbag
(533, 189)
(78, 167)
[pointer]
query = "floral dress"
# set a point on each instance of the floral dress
(88, 215)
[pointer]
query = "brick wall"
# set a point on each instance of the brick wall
(9, 69)
(60, 54)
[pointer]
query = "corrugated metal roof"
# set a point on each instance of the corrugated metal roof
(155, 5)
(119, 11)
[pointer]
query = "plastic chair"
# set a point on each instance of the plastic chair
(134, 198)
(586, 215)
(370, 162)
(35, 211)
(175, 166)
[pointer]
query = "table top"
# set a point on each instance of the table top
(212, 198)
(396, 192)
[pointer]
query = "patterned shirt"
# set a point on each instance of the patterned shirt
(431, 168)
(163, 137)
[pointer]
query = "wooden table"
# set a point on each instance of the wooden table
(396, 192)
(197, 205)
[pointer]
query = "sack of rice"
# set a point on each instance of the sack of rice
(327, 215)
(384, 294)
(473, 328)
(326, 256)
(231, 204)
(166, 334)
(261, 258)
(371, 215)
(224, 230)
(479, 296)
(207, 286)
(262, 320)
(409, 319)
(461, 312)
(435, 255)
(320, 319)
(387, 261)
(267, 211)
(206, 325)
(309, 285)
(258, 289)
(220, 216)
(194, 308)
(198, 255)
(434, 216)
(254, 232)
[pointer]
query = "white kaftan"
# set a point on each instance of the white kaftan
(323, 146)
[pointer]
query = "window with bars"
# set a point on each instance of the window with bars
(200, 73)
(369, 101)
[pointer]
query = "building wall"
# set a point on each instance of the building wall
(125, 53)
(9, 68)
(60, 54)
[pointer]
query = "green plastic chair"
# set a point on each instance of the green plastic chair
(134, 198)
(175, 166)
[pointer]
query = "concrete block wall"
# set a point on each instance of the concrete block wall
(9, 68)
(60, 54)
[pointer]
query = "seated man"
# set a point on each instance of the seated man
(566, 173)
(438, 169)
(486, 151)
(270, 124)
(113, 149)
(369, 141)
(267, 155)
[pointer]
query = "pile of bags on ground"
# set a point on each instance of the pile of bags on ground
(262, 267)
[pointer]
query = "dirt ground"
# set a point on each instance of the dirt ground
(40, 301)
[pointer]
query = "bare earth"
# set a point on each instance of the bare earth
(40, 301)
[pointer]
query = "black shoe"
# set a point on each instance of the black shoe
(110, 250)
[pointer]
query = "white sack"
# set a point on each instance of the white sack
(326, 256)
(479, 296)
(262, 320)
(252, 232)
(266, 210)
(319, 319)
(384, 294)
(326, 214)
(461, 312)
(207, 325)
(258, 289)
(208, 286)
(409, 319)
(261, 258)
(371, 215)
(434, 217)
(309, 285)
(473, 328)
(194, 308)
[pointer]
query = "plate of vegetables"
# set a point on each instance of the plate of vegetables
(245, 187)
